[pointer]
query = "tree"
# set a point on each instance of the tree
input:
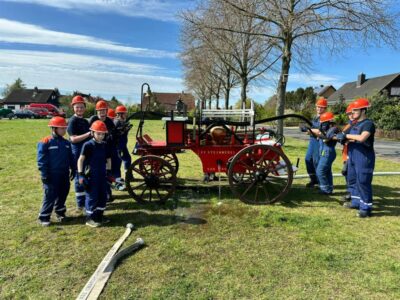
(245, 54)
(297, 100)
(297, 27)
(17, 85)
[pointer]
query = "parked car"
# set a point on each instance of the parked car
(42, 112)
(26, 114)
(50, 107)
(6, 113)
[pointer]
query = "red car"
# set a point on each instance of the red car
(42, 112)
(50, 107)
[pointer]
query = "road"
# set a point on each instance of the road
(384, 148)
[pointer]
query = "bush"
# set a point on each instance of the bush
(389, 119)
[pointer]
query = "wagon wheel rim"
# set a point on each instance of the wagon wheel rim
(172, 159)
(266, 174)
(150, 179)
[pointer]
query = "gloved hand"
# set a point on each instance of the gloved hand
(341, 137)
(303, 128)
(83, 181)
(331, 133)
(72, 175)
(45, 180)
(110, 178)
(344, 168)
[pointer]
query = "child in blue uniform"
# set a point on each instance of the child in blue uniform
(93, 166)
(55, 160)
(122, 145)
(312, 155)
(361, 162)
(79, 133)
(327, 153)
(110, 138)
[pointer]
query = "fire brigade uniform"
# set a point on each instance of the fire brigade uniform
(312, 155)
(110, 143)
(361, 165)
(96, 155)
(55, 160)
(327, 154)
(78, 126)
(123, 152)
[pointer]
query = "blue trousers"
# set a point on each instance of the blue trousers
(324, 169)
(123, 156)
(96, 198)
(79, 190)
(312, 158)
(360, 170)
(55, 195)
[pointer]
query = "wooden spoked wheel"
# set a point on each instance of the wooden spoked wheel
(172, 160)
(260, 174)
(150, 179)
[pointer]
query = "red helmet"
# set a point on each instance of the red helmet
(77, 99)
(111, 113)
(101, 104)
(99, 126)
(349, 108)
(361, 103)
(121, 109)
(58, 122)
(322, 102)
(325, 117)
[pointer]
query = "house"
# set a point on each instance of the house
(367, 87)
(325, 91)
(19, 98)
(168, 100)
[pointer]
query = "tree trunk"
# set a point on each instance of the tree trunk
(227, 92)
(243, 92)
(281, 90)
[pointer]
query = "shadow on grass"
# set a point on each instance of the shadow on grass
(386, 199)
(139, 219)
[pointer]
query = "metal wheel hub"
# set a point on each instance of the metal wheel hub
(152, 181)
(260, 175)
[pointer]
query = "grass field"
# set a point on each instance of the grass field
(306, 247)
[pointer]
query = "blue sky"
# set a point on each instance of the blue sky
(110, 47)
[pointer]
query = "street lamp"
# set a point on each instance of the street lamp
(148, 93)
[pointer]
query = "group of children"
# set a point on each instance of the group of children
(92, 158)
(357, 138)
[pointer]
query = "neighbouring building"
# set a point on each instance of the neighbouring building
(325, 91)
(367, 87)
(20, 98)
(168, 100)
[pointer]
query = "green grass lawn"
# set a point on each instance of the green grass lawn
(198, 246)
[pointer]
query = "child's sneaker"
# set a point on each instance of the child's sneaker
(44, 222)
(61, 218)
(92, 223)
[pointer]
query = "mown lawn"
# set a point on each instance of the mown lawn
(198, 246)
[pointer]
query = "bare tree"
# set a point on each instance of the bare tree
(243, 53)
(296, 26)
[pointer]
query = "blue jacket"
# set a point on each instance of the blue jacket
(54, 156)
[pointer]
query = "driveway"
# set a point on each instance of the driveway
(384, 148)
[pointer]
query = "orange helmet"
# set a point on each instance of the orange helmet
(99, 126)
(361, 103)
(77, 99)
(58, 122)
(121, 109)
(111, 113)
(101, 104)
(349, 108)
(325, 117)
(322, 102)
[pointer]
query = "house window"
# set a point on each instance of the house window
(395, 91)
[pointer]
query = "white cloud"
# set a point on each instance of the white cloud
(88, 74)
(23, 33)
(153, 9)
(314, 80)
